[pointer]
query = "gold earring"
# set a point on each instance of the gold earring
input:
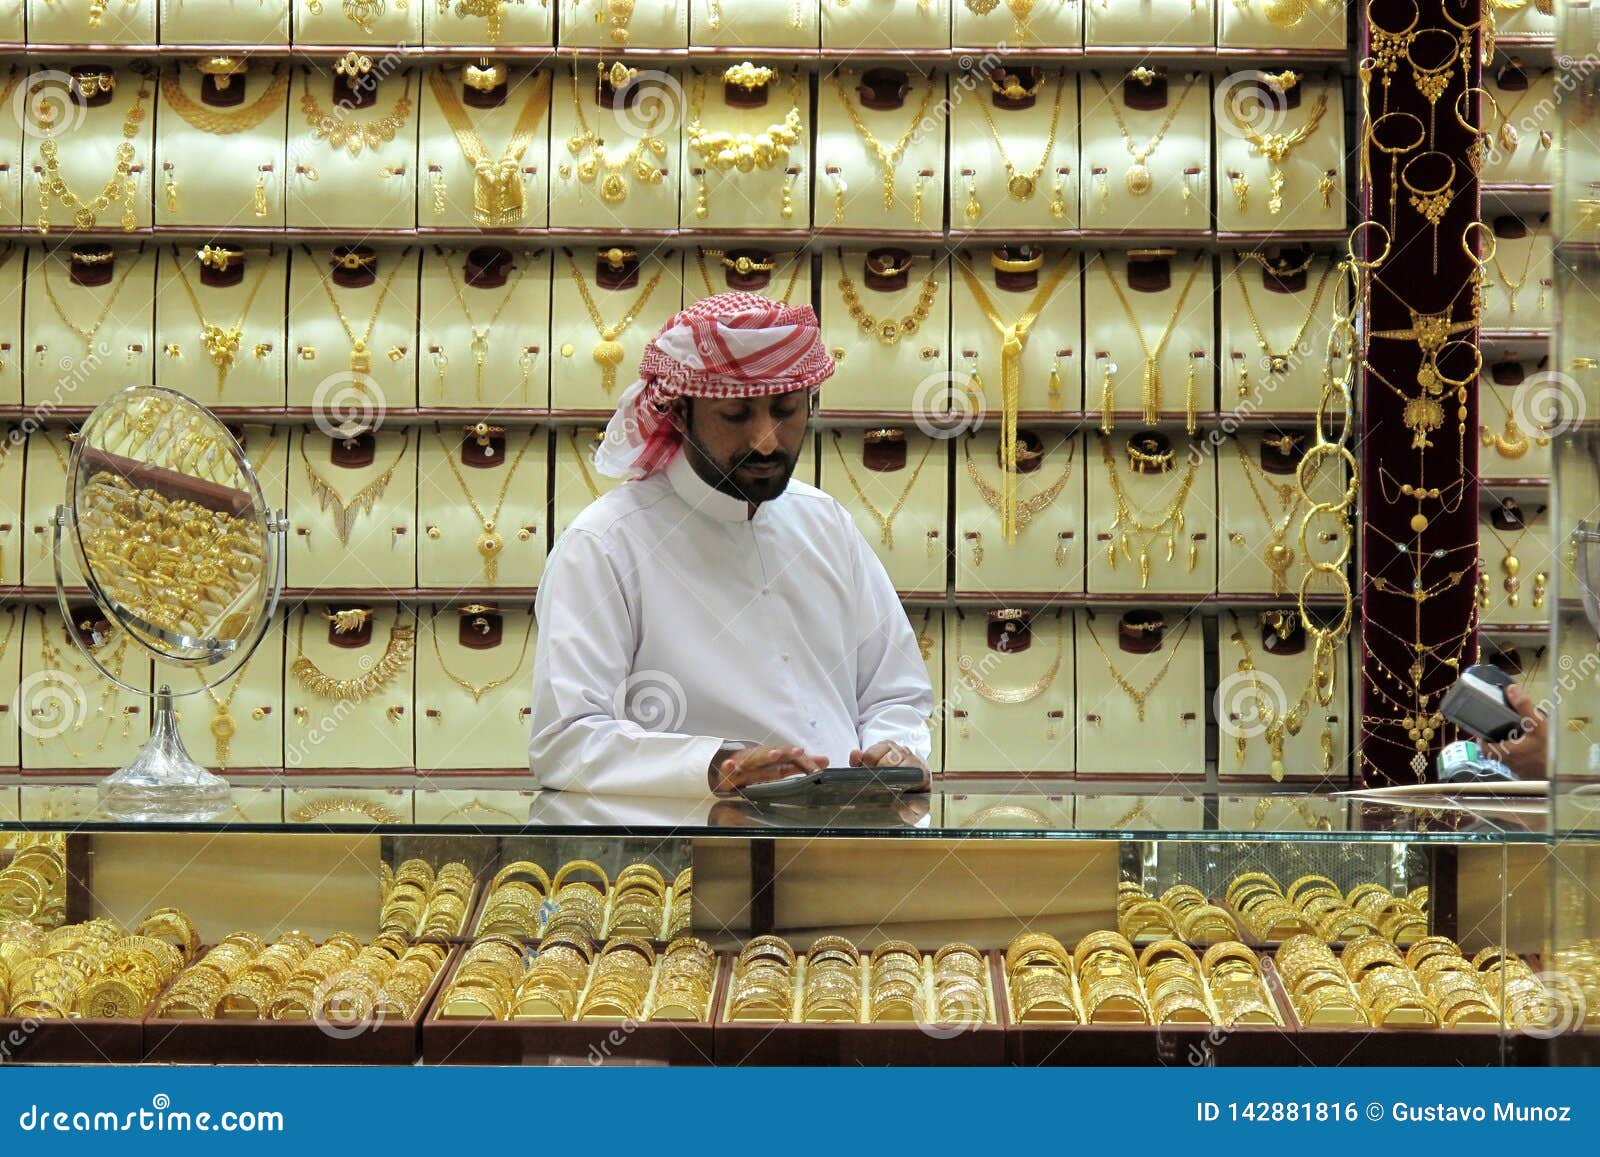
(974, 210)
(1241, 191)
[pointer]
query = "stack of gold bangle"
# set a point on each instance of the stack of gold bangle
(1039, 977)
(1578, 963)
(1174, 984)
(580, 907)
(485, 980)
(249, 994)
(554, 979)
(198, 990)
(387, 976)
(1454, 987)
(93, 969)
(1237, 987)
(46, 984)
(295, 999)
(1108, 978)
(516, 895)
(1265, 910)
(832, 988)
(960, 986)
(619, 984)
(763, 980)
(173, 927)
(638, 902)
(685, 974)
(680, 912)
(422, 902)
(1186, 915)
(895, 991)
(1141, 914)
(1321, 991)
(33, 885)
(134, 973)
(1523, 999)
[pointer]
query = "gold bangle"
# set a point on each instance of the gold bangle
(1017, 265)
(574, 866)
(1149, 954)
(1229, 950)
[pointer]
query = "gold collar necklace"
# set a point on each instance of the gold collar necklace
(396, 654)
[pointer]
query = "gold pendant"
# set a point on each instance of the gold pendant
(608, 354)
(1277, 363)
(888, 331)
(1285, 13)
(221, 345)
(222, 732)
(360, 358)
(490, 544)
(1279, 558)
(1020, 187)
(613, 189)
(1138, 180)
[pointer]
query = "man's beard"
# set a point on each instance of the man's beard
(733, 478)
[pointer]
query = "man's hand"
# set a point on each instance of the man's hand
(1525, 756)
(889, 754)
(761, 765)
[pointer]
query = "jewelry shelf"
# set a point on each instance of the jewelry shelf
(1064, 419)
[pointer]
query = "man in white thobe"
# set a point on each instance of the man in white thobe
(712, 624)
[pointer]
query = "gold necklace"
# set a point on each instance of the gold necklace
(480, 334)
(86, 336)
(344, 513)
(341, 133)
(1515, 287)
(1150, 393)
(608, 352)
(583, 465)
(1509, 443)
(1021, 186)
(224, 122)
(490, 542)
(1027, 508)
(396, 654)
(967, 667)
(221, 344)
(497, 192)
(888, 330)
(372, 810)
(1511, 566)
(1170, 524)
(1137, 178)
(1277, 727)
(885, 521)
(1278, 556)
(55, 668)
(478, 691)
(360, 354)
(612, 185)
(118, 186)
(1139, 695)
(887, 158)
(797, 262)
(743, 152)
(223, 726)
(1278, 363)
(1276, 147)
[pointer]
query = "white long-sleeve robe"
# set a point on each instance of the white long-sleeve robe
(671, 623)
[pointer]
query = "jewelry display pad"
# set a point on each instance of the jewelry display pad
(1511, 441)
(1052, 344)
(120, 22)
(11, 633)
(374, 187)
(13, 342)
(657, 24)
(253, 720)
(1047, 556)
(1246, 534)
(1181, 159)
(382, 548)
(267, 448)
(469, 23)
(12, 139)
(1169, 23)
(451, 549)
(1281, 24)
(757, 23)
(513, 319)
(1171, 729)
(576, 381)
(1150, 497)
(981, 193)
(1311, 197)
(1042, 24)
(1529, 262)
(243, 22)
(886, 24)
(372, 732)
(1527, 154)
(853, 165)
(1286, 376)
(455, 728)
(577, 481)
(447, 186)
(13, 522)
(44, 487)
(86, 141)
(98, 338)
(1529, 605)
(111, 725)
(741, 197)
(914, 554)
(370, 23)
(1114, 353)
(642, 133)
(250, 313)
(907, 373)
(324, 369)
(193, 185)
(1269, 708)
(1010, 712)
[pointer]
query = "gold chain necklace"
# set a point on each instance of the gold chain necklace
(888, 158)
(497, 192)
(967, 667)
(1515, 287)
(1139, 695)
(1137, 178)
(344, 513)
(1170, 524)
(396, 654)
(1511, 567)
(1276, 147)
(1278, 555)
(612, 185)
(480, 334)
(490, 542)
(360, 354)
(478, 691)
(341, 133)
(1027, 508)
(224, 122)
(55, 666)
(1150, 394)
(221, 344)
(1278, 727)
(1278, 363)
(119, 186)
(608, 352)
(797, 262)
(885, 521)
(743, 152)
(371, 809)
(223, 726)
(1021, 186)
(583, 465)
(888, 330)
(1511, 442)
(86, 336)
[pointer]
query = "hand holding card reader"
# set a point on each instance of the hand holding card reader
(838, 784)
(1477, 702)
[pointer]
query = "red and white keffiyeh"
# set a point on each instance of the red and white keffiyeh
(728, 345)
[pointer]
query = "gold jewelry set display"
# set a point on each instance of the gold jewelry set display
(1272, 713)
(1509, 543)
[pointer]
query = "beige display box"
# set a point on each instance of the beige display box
(1302, 192)
(1170, 727)
(448, 186)
(1261, 514)
(373, 732)
(13, 345)
(1047, 556)
(1287, 375)
(333, 188)
(66, 368)
(71, 716)
(601, 189)
(577, 482)
(10, 804)
(886, 24)
(254, 702)
(323, 372)
(1509, 446)
(1517, 295)
(789, 280)
(1318, 24)
(380, 547)
(511, 491)
(1021, 811)
(255, 373)
(1177, 504)
(357, 23)
(11, 22)
(375, 805)
(1530, 547)
(588, 24)
(122, 22)
(1177, 326)
(195, 185)
(14, 537)
(1051, 365)
(757, 199)
(1010, 712)
(1253, 703)
(11, 633)
(525, 24)
(757, 23)
(267, 448)
(912, 546)
(507, 326)
(1164, 23)
(1265, 813)
(911, 372)
(481, 807)
(485, 727)
(852, 165)
(12, 136)
(45, 488)
(1527, 154)
(247, 22)
(929, 624)
(86, 146)
(1170, 189)
(1043, 136)
(576, 378)
(1044, 24)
